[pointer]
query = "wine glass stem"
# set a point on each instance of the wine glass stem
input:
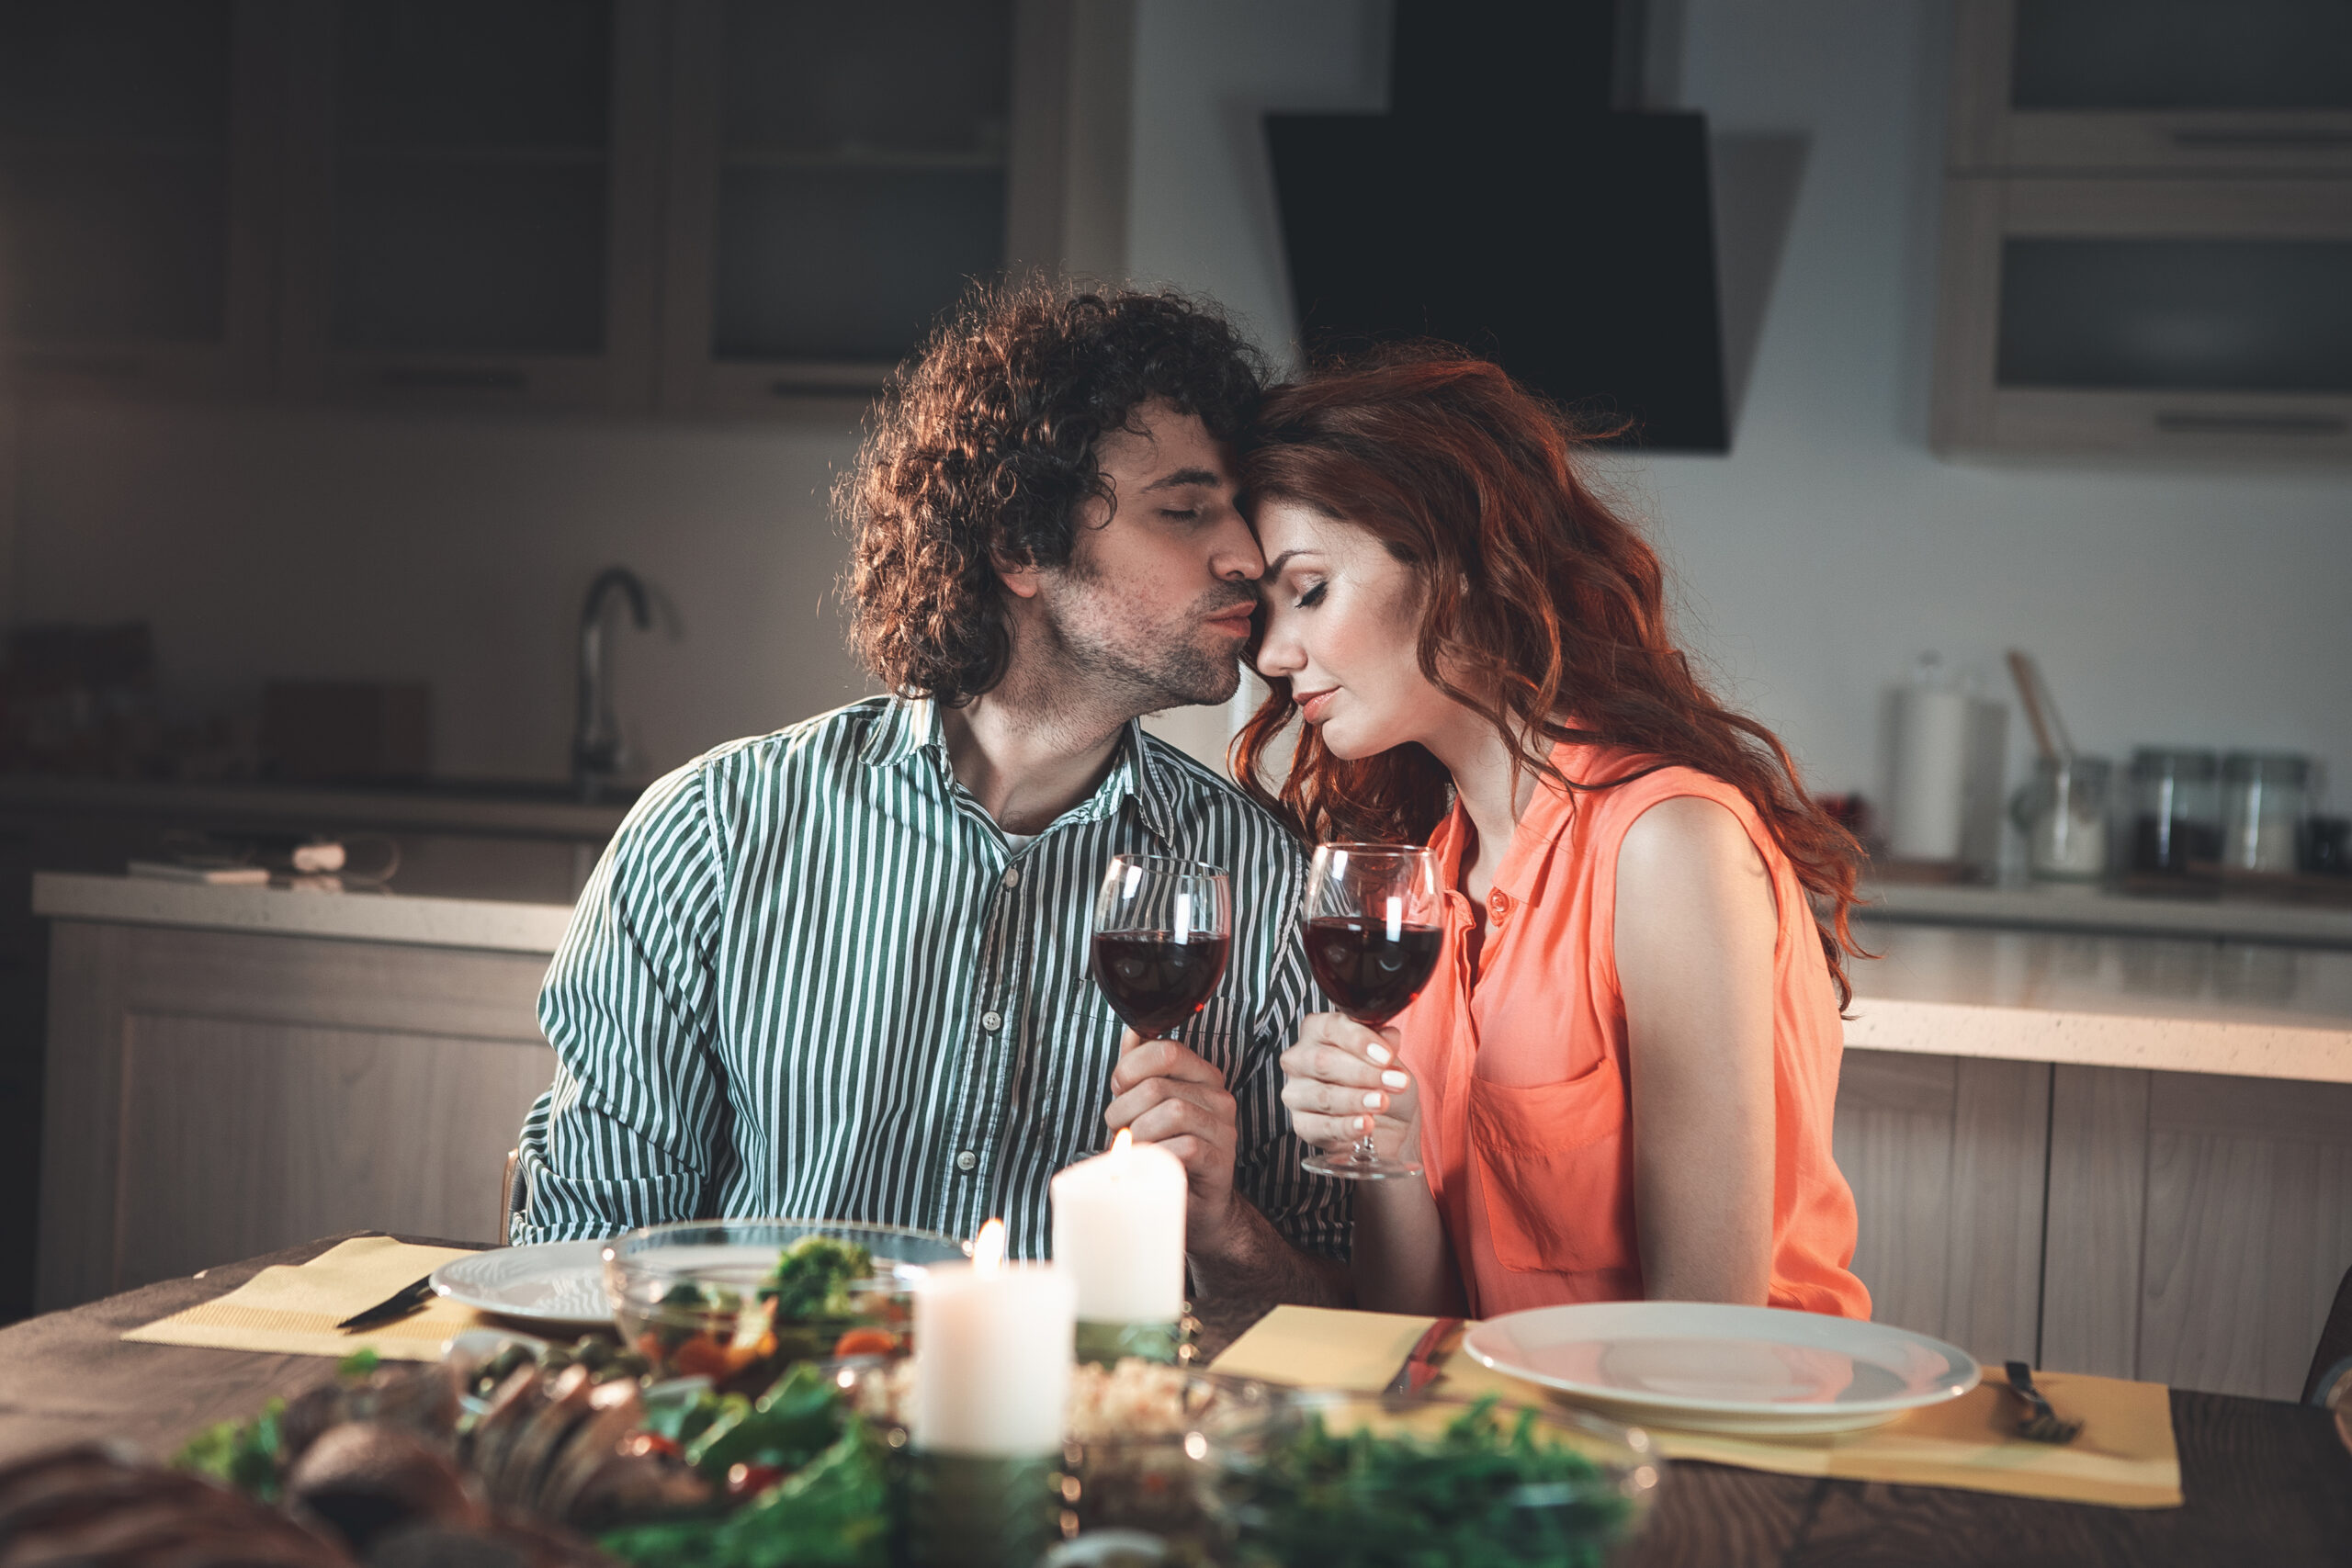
(1364, 1151)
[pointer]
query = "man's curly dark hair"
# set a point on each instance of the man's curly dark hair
(983, 449)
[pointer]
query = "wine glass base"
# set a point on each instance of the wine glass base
(1354, 1165)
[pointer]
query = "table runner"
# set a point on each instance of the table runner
(2124, 1457)
(293, 1309)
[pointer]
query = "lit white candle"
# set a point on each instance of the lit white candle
(1119, 1233)
(992, 1354)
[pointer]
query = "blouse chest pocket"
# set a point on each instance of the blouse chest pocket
(1556, 1165)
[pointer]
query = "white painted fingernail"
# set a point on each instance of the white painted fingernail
(1396, 1080)
(1379, 1054)
(1374, 1098)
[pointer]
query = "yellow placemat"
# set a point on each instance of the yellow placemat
(2123, 1458)
(293, 1309)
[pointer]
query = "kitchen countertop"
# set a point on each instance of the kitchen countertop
(518, 809)
(2247, 1009)
(2064, 907)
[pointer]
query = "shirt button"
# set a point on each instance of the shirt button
(991, 1022)
(1498, 905)
(966, 1160)
(1012, 876)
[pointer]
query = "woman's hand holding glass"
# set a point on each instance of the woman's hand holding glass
(1343, 1080)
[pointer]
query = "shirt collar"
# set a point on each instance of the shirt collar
(912, 724)
(906, 725)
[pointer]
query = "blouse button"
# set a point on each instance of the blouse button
(1498, 905)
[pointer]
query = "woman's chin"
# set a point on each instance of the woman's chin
(1341, 741)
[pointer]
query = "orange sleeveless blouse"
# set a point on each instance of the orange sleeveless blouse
(1526, 1113)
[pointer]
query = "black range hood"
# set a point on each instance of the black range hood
(1506, 204)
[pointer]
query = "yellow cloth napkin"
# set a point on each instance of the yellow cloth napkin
(293, 1309)
(2123, 1458)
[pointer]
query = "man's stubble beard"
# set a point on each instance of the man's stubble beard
(1095, 644)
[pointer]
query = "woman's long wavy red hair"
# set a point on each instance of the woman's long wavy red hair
(1541, 610)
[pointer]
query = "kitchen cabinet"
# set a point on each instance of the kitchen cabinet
(138, 194)
(2147, 218)
(473, 196)
(2153, 87)
(700, 206)
(1946, 1156)
(2182, 1228)
(212, 1094)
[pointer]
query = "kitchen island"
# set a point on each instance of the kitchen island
(2128, 1154)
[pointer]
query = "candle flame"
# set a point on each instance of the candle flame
(1123, 1143)
(988, 1249)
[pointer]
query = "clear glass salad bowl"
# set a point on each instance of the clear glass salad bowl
(739, 1301)
(1373, 1479)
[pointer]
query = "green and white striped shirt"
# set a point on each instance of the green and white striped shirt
(810, 976)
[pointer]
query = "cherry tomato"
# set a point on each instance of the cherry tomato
(751, 1480)
(640, 1444)
(866, 1342)
(700, 1357)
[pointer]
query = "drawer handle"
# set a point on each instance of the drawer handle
(483, 378)
(2257, 141)
(2181, 422)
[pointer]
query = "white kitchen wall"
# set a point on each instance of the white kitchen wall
(1814, 561)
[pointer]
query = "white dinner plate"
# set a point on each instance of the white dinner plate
(1754, 1371)
(552, 1282)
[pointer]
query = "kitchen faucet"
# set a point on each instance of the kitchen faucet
(596, 753)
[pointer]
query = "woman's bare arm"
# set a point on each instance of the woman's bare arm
(1695, 923)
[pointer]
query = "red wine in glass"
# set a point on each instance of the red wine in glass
(1372, 933)
(1368, 973)
(1154, 981)
(1162, 931)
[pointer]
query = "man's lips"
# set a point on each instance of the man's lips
(1312, 704)
(1236, 619)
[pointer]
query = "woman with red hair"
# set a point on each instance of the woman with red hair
(1621, 1078)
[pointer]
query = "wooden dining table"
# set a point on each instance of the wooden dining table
(2268, 1485)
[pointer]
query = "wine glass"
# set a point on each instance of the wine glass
(1374, 931)
(1162, 930)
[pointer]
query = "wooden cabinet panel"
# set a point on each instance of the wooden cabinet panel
(211, 1095)
(2248, 1232)
(2198, 1227)
(239, 1138)
(1945, 1157)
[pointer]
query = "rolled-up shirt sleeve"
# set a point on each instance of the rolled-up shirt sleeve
(630, 1133)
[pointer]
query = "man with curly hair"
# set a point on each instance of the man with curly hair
(842, 970)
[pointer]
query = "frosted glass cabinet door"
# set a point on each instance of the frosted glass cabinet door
(131, 252)
(2205, 317)
(476, 201)
(2184, 84)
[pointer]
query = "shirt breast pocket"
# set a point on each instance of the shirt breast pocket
(1556, 1171)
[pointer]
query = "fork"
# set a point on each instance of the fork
(2041, 1424)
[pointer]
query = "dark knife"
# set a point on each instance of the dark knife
(408, 1299)
(1420, 1368)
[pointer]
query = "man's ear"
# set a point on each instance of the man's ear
(1020, 577)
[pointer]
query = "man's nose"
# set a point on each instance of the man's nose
(1235, 553)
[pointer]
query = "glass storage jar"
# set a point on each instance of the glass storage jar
(2177, 809)
(2265, 797)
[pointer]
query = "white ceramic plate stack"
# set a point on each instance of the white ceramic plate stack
(1754, 1372)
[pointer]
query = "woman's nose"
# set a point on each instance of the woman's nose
(1278, 651)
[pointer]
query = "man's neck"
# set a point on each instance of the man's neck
(1024, 759)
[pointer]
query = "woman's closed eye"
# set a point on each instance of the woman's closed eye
(1309, 597)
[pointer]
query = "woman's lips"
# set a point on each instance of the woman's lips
(1312, 704)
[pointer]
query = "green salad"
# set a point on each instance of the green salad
(808, 1475)
(1484, 1491)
